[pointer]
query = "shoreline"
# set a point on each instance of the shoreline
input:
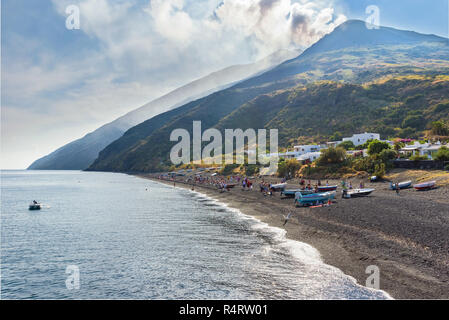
(409, 267)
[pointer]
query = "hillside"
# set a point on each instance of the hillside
(375, 81)
(81, 153)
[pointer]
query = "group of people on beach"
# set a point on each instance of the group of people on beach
(348, 185)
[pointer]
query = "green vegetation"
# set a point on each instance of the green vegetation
(347, 145)
(376, 147)
(439, 128)
(417, 157)
(251, 169)
(287, 169)
(332, 156)
(442, 154)
(228, 169)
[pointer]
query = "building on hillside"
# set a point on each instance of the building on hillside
(309, 157)
(303, 149)
(299, 151)
(423, 149)
(430, 150)
(361, 138)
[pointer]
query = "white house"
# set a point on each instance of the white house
(310, 156)
(299, 151)
(303, 149)
(361, 138)
(422, 149)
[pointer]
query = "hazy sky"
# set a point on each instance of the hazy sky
(59, 84)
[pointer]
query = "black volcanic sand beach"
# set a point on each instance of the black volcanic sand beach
(405, 235)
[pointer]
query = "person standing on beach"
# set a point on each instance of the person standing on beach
(397, 188)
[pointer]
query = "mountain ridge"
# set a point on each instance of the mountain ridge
(147, 146)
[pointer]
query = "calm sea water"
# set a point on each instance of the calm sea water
(132, 238)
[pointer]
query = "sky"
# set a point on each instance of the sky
(58, 84)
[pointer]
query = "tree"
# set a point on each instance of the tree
(332, 156)
(388, 154)
(398, 145)
(288, 169)
(347, 145)
(439, 128)
(337, 136)
(413, 121)
(251, 169)
(376, 147)
(442, 154)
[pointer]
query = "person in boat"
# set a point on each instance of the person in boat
(34, 202)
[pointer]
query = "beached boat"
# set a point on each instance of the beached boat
(278, 187)
(327, 188)
(313, 199)
(425, 185)
(230, 185)
(34, 206)
(401, 185)
(292, 192)
(352, 193)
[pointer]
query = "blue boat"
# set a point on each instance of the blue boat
(313, 199)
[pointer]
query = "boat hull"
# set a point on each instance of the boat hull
(327, 188)
(358, 193)
(425, 186)
(292, 193)
(402, 185)
(278, 187)
(313, 199)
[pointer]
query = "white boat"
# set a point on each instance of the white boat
(425, 185)
(352, 193)
(278, 187)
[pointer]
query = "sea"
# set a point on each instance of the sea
(117, 236)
